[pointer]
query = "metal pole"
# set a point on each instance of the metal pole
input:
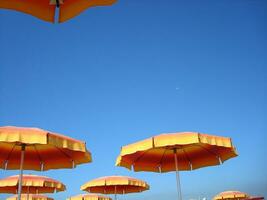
(179, 190)
(23, 146)
(115, 192)
(28, 191)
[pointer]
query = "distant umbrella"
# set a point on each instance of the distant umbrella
(231, 195)
(115, 185)
(30, 197)
(89, 197)
(176, 152)
(46, 9)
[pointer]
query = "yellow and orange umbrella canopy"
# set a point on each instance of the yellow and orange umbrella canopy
(231, 195)
(44, 150)
(46, 9)
(115, 185)
(30, 197)
(193, 150)
(31, 184)
(89, 197)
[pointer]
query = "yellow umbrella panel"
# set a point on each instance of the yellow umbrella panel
(89, 197)
(176, 152)
(115, 185)
(46, 9)
(30, 197)
(231, 195)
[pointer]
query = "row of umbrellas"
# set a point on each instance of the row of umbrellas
(36, 149)
(33, 184)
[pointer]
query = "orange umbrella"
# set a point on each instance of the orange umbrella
(37, 149)
(231, 195)
(176, 152)
(46, 9)
(89, 197)
(115, 185)
(30, 197)
(31, 184)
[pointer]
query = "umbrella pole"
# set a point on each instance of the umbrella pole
(115, 193)
(21, 170)
(179, 190)
(28, 191)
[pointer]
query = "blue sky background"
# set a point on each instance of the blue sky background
(116, 75)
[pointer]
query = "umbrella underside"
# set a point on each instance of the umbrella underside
(40, 157)
(189, 157)
(120, 189)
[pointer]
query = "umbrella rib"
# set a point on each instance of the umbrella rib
(140, 156)
(187, 157)
(63, 152)
(215, 154)
(161, 159)
(8, 156)
(38, 154)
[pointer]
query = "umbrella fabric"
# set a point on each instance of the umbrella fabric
(30, 197)
(193, 150)
(44, 150)
(89, 197)
(115, 185)
(45, 9)
(254, 198)
(31, 184)
(233, 195)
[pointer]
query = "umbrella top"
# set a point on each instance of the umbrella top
(115, 184)
(31, 197)
(230, 195)
(32, 135)
(30, 177)
(176, 141)
(89, 197)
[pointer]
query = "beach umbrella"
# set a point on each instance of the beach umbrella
(37, 149)
(176, 152)
(231, 195)
(89, 197)
(30, 197)
(31, 184)
(115, 185)
(46, 9)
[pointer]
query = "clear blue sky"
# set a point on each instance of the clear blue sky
(116, 75)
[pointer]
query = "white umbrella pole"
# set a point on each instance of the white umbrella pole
(179, 190)
(115, 193)
(28, 191)
(21, 170)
